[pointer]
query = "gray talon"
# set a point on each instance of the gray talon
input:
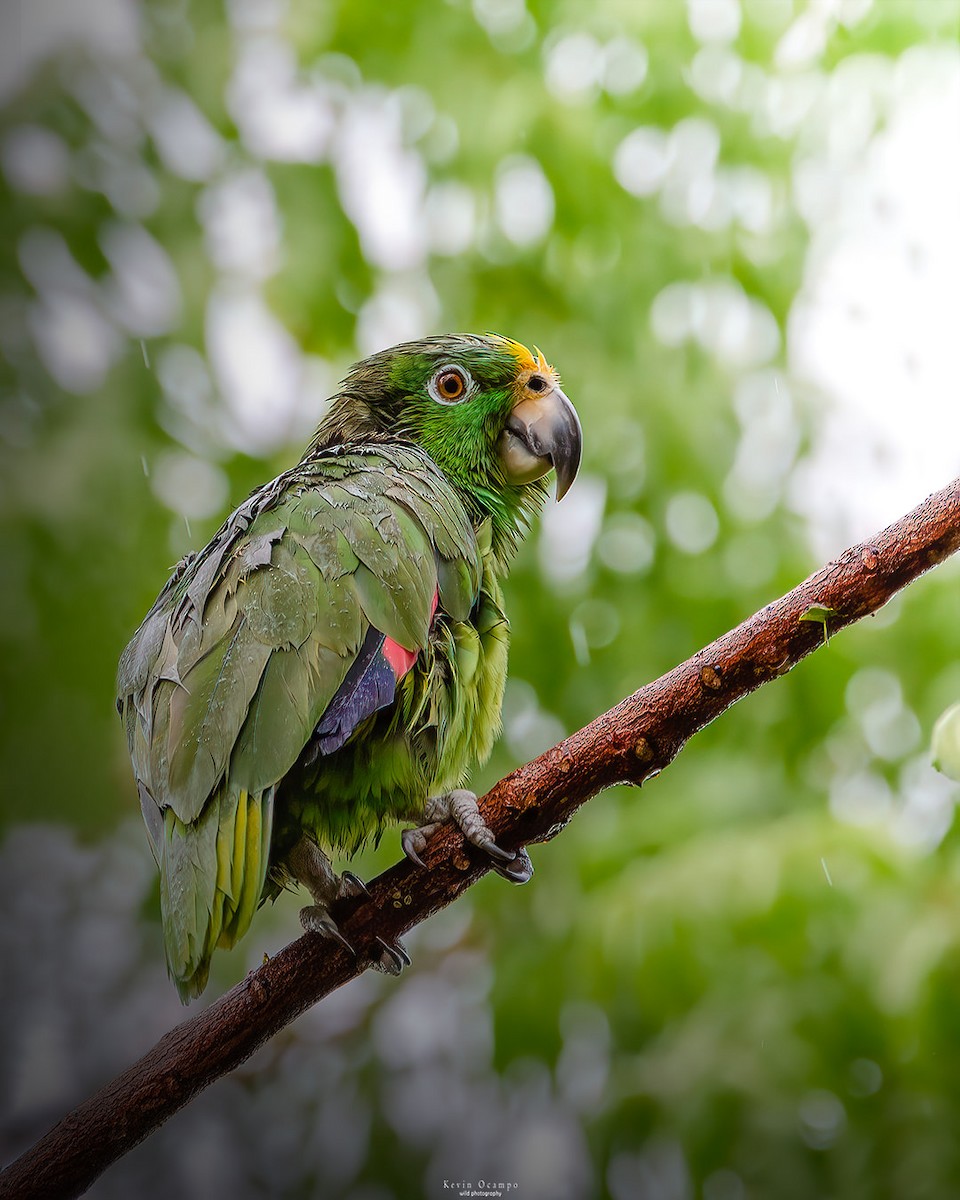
(412, 841)
(315, 919)
(522, 868)
(352, 885)
(490, 847)
(460, 806)
(401, 949)
(392, 959)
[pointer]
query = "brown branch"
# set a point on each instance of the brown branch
(631, 743)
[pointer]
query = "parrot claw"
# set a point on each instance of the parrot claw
(351, 885)
(490, 847)
(460, 807)
(392, 959)
(316, 919)
(308, 865)
(414, 842)
(518, 870)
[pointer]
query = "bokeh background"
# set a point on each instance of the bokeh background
(733, 226)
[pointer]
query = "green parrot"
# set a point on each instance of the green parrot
(335, 658)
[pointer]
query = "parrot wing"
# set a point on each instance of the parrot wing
(295, 623)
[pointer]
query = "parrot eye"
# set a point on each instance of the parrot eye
(449, 385)
(537, 383)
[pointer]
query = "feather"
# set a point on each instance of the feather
(256, 551)
(280, 605)
(329, 550)
(369, 686)
(205, 716)
(459, 585)
(187, 886)
(297, 686)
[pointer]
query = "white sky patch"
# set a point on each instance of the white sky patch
(77, 344)
(693, 148)
(569, 530)
(241, 223)
(190, 414)
(280, 115)
(874, 699)
(769, 441)
(804, 41)
(259, 369)
(641, 161)
(382, 182)
(500, 18)
(683, 166)
(627, 543)
(114, 93)
(128, 184)
(255, 15)
(76, 341)
(35, 160)
(402, 308)
(714, 20)
(735, 328)
(806, 38)
(451, 215)
(577, 65)
(49, 267)
(715, 74)
(185, 140)
(31, 33)
(926, 808)
(625, 66)
(528, 728)
(874, 328)
(691, 522)
(190, 486)
(523, 200)
(142, 293)
(574, 66)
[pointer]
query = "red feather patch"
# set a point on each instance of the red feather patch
(402, 660)
(370, 685)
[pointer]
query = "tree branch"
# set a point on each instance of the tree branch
(629, 744)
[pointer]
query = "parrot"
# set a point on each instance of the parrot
(335, 658)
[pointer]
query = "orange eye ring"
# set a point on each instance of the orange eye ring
(449, 385)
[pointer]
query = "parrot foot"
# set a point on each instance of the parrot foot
(315, 919)
(351, 885)
(519, 870)
(392, 959)
(460, 806)
(414, 842)
(308, 864)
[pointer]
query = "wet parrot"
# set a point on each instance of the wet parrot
(335, 658)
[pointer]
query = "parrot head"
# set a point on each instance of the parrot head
(488, 411)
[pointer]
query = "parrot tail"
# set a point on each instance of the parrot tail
(212, 872)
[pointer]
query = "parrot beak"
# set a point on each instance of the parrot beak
(542, 431)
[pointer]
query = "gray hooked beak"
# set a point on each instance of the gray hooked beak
(542, 432)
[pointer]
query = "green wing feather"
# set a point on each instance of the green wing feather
(225, 681)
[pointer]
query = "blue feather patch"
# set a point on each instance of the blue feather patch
(370, 684)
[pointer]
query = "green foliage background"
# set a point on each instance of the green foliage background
(714, 987)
